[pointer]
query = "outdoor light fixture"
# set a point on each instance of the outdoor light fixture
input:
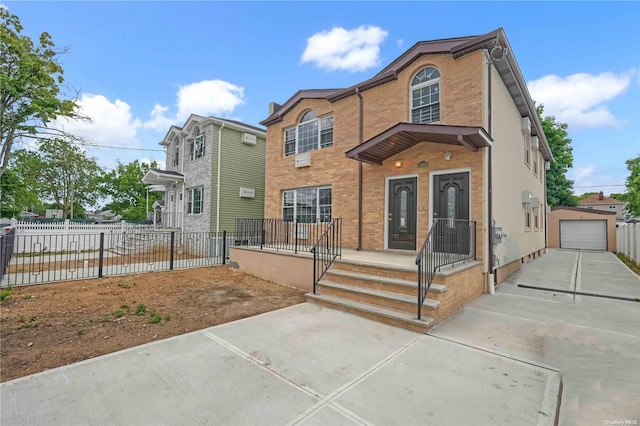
(447, 155)
(398, 163)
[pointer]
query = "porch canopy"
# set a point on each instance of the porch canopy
(405, 135)
(156, 177)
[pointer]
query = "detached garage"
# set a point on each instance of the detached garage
(580, 228)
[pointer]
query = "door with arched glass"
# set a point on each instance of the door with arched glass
(451, 205)
(402, 214)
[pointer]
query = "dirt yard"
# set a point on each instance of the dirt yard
(49, 325)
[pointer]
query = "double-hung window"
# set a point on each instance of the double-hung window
(197, 148)
(195, 203)
(176, 152)
(425, 96)
(307, 205)
(311, 133)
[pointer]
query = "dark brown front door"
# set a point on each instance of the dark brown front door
(402, 213)
(451, 201)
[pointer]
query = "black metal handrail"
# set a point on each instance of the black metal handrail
(280, 234)
(448, 242)
(326, 249)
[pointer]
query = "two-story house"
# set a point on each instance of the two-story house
(441, 148)
(214, 173)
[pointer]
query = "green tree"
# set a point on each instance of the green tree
(632, 196)
(60, 173)
(559, 188)
(16, 196)
(30, 87)
(127, 191)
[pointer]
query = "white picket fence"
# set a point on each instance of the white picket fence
(628, 240)
(69, 236)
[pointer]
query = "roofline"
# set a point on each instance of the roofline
(581, 209)
(293, 101)
(233, 125)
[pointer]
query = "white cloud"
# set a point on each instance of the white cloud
(340, 49)
(207, 97)
(580, 100)
(111, 122)
(582, 173)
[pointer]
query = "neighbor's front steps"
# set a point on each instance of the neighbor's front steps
(389, 294)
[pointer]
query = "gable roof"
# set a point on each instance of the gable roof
(508, 69)
(206, 120)
(599, 199)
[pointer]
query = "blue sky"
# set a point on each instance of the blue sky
(141, 66)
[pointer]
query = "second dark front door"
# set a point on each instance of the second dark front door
(451, 201)
(402, 213)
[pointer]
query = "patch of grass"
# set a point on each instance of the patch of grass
(141, 309)
(126, 285)
(627, 261)
(124, 306)
(167, 318)
(3, 319)
(119, 313)
(105, 319)
(27, 297)
(4, 294)
(81, 332)
(155, 318)
(22, 318)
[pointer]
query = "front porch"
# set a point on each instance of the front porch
(379, 285)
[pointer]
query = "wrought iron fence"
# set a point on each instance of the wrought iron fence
(448, 242)
(279, 234)
(48, 258)
(7, 239)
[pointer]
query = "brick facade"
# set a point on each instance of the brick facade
(461, 89)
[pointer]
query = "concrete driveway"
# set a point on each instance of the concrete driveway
(496, 362)
(593, 341)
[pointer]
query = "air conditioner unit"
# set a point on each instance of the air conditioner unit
(547, 165)
(535, 202)
(247, 192)
(535, 142)
(526, 197)
(248, 139)
(526, 125)
(303, 160)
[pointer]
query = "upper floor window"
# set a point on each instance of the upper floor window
(535, 162)
(527, 148)
(425, 96)
(176, 152)
(197, 145)
(311, 133)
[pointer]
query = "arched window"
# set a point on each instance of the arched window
(425, 96)
(311, 133)
(176, 152)
(196, 144)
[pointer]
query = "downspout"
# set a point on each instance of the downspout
(360, 134)
(492, 283)
(218, 178)
(184, 183)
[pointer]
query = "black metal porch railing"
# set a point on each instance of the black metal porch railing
(448, 242)
(279, 234)
(326, 249)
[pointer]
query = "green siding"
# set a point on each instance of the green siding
(242, 165)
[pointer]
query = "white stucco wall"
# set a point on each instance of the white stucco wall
(510, 177)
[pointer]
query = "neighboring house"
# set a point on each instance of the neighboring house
(214, 174)
(602, 203)
(581, 228)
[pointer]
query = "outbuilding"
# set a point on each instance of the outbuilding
(580, 228)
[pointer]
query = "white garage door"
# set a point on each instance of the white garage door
(583, 234)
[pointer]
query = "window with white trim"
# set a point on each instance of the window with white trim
(527, 216)
(536, 218)
(307, 205)
(176, 152)
(311, 133)
(195, 202)
(425, 96)
(196, 144)
(535, 162)
(527, 148)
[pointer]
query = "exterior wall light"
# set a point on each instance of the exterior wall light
(398, 163)
(447, 155)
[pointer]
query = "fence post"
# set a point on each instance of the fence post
(295, 236)
(173, 243)
(224, 247)
(101, 255)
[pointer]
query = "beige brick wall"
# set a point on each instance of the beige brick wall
(384, 106)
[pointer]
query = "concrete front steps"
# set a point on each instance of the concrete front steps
(383, 293)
